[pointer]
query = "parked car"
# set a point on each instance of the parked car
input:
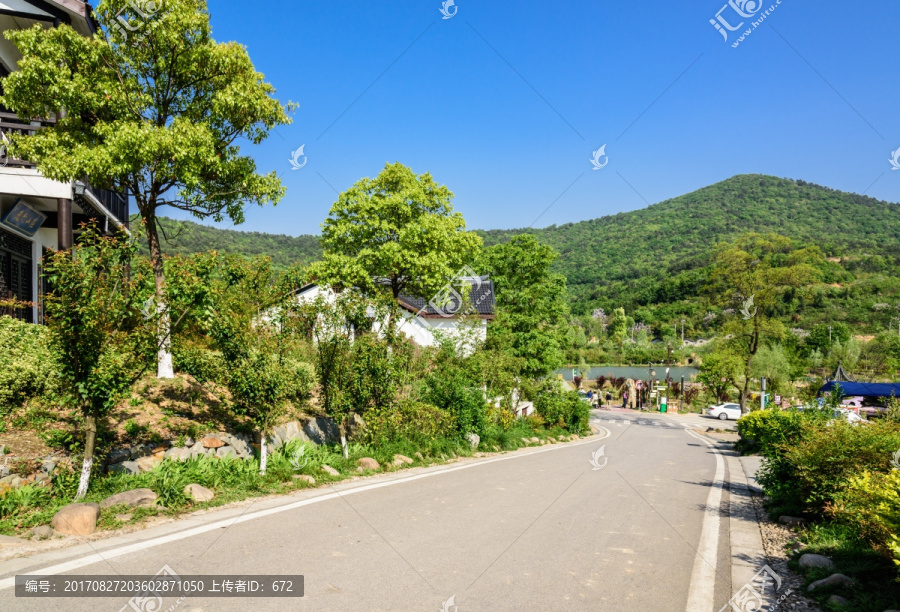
(725, 412)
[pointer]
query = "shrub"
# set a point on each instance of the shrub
(201, 363)
(453, 393)
(26, 364)
(563, 409)
(870, 504)
(413, 421)
(816, 470)
(769, 431)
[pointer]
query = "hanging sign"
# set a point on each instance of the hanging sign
(24, 218)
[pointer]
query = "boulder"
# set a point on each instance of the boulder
(146, 464)
(526, 441)
(4, 471)
(48, 466)
(330, 470)
(141, 450)
(198, 493)
(790, 521)
(178, 453)
(305, 478)
(118, 455)
(138, 498)
(322, 431)
(241, 445)
(535, 440)
(126, 467)
(76, 519)
(474, 439)
(226, 452)
(367, 463)
(808, 561)
(419, 456)
(211, 442)
(43, 532)
(837, 600)
(288, 432)
(838, 580)
(402, 459)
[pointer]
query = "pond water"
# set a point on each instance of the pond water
(633, 372)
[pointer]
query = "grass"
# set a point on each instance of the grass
(234, 479)
(877, 586)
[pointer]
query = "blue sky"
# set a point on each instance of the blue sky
(506, 101)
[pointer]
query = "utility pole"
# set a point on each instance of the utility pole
(682, 331)
(829, 335)
(762, 396)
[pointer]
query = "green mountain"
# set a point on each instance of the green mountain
(653, 261)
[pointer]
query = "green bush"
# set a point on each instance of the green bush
(769, 431)
(813, 473)
(201, 363)
(563, 409)
(26, 364)
(453, 392)
(413, 421)
(870, 504)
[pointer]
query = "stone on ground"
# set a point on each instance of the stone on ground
(178, 453)
(138, 498)
(330, 470)
(810, 560)
(367, 463)
(76, 519)
(401, 460)
(210, 442)
(305, 478)
(43, 532)
(125, 467)
(790, 521)
(198, 493)
(833, 580)
(535, 440)
(146, 464)
(837, 600)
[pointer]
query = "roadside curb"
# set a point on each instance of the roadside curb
(748, 555)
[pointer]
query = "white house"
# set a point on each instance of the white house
(447, 315)
(36, 214)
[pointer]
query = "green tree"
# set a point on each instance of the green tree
(618, 326)
(101, 341)
(751, 276)
(396, 233)
(532, 309)
(771, 363)
(721, 370)
(156, 114)
(824, 335)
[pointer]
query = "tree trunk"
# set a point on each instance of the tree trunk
(164, 366)
(90, 441)
(263, 453)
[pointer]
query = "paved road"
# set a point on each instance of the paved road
(539, 529)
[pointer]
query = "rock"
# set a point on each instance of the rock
(419, 456)
(367, 463)
(43, 532)
(241, 445)
(288, 432)
(535, 440)
(198, 493)
(159, 453)
(126, 467)
(138, 498)
(4, 471)
(15, 481)
(76, 519)
(178, 453)
(48, 466)
(141, 450)
(210, 442)
(833, 580)
(322, 431)
(123, 518)
(226, 452)
(402, 459)
(118, 455)
(790, 521)
(146, 464)
(526, 441)
(837, 600)
(808, 561)
(474, 439)
(305, 478)
(330, 470)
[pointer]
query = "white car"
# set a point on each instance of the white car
(725, 412)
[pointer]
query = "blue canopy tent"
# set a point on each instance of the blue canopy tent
(863, 389)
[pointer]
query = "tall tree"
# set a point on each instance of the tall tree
(396, 233)
(751, 276)
(154, 110)
(532, 308)
(101, 341)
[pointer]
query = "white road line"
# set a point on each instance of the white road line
(702, 591)
(74, 564)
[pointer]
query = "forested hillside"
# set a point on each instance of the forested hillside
(654, 261)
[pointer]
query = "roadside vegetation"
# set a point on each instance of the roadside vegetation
(843, 481)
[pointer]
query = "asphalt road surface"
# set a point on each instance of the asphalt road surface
(538, 529)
